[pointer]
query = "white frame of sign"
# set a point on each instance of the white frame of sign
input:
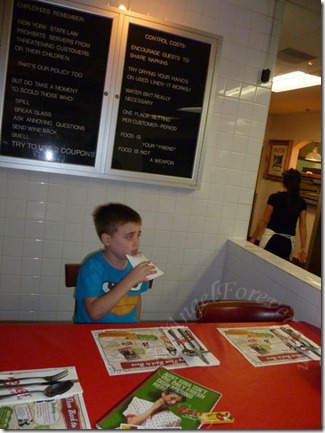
(121, 21)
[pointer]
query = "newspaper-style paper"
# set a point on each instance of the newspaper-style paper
(33, 410)
(134, 350)
(139, 258)
(271, 345)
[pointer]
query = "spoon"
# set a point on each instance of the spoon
(186, 351)
(50, 391)
(189, 338)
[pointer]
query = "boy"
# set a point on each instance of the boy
(108, 287)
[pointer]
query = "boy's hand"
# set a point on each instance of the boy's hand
(135, 260)
(142, 271)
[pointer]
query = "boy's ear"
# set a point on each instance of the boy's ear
(106, 239)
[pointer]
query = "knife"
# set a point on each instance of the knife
(26, 385)
(196, 350)
(298, 349)
(288, 342)
(194, 340)
(297, 337)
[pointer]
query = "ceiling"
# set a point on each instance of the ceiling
(300, 48)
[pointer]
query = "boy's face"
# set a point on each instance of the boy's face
(126, 240)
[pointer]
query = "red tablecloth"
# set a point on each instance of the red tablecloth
(273, 397)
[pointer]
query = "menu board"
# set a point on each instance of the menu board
(55, 83)
(101, 92)
(161, 101)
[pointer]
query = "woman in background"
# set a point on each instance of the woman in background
(282, 212)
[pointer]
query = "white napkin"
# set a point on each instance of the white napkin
(139, 258)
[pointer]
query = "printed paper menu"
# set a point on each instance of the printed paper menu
(270, 345)
(135, 350)
(33, 410)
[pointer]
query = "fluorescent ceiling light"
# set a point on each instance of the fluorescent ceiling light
(294, 80)
(191, 109)
(245, 91)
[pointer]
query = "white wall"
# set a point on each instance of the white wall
(45, 219)
(252, 273)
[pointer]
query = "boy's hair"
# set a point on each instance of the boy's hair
(109, 217)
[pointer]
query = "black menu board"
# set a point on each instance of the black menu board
(161, 100)
(55, 83)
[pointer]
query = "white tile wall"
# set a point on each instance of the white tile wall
(259, 275)
(45, 219)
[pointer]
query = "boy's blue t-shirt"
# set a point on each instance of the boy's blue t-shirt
(97, 277)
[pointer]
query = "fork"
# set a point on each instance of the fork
(301, 342)
(178, 341)
(194, 340)
(52, 378)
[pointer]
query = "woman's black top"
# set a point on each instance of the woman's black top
(283, 221)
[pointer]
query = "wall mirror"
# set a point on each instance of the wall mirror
(295, 116)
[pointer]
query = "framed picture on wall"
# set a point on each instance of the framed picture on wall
(278, 158)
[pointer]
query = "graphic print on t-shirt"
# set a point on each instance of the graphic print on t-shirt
(127, 303)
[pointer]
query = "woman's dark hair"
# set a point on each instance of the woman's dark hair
(155, 395)
(175, 391)
(291, 180)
